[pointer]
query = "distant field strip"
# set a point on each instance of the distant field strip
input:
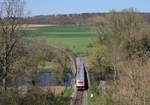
(70, 33)
(36, 25)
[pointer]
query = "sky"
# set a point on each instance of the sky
(46, 7)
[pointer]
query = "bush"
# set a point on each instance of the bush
(10, 98)
(34, 97)
(100, 59)
(140, 48)
(133, 86)
(95, 96)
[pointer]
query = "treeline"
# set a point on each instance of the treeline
(77, 19)
(61, 19)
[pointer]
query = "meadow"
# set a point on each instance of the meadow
(76, 38)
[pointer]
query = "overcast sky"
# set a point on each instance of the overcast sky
(44, 7)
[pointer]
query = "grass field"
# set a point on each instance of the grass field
(77, 38)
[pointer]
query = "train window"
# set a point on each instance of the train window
(80, 82)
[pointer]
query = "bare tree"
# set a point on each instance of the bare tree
(11, 16)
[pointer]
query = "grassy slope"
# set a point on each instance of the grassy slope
(77, 38)
(97, 97)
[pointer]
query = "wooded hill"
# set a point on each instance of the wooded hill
(78, 19)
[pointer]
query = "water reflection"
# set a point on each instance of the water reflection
(53, 79)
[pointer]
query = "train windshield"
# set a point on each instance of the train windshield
(80, 82)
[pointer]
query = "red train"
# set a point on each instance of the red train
(81, 75)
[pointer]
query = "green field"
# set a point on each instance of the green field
(77, 38)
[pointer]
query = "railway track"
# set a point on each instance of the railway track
(78, 99)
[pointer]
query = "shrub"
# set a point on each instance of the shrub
(133, 86)
(100, 58)
(34, 97)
